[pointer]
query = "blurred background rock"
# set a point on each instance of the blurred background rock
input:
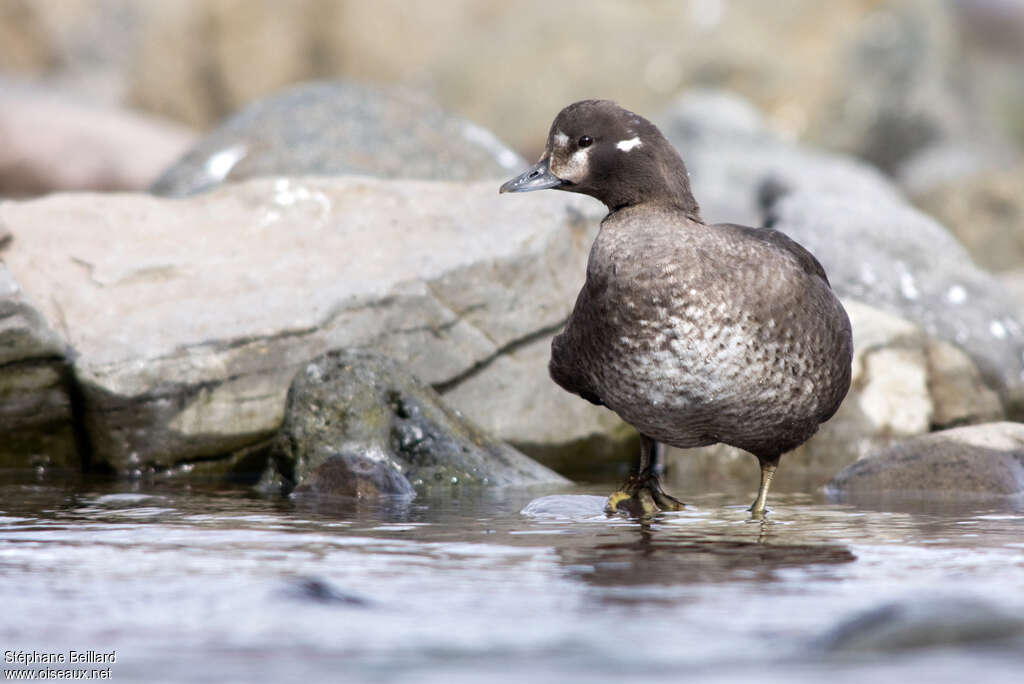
(930, 91)
(925, 89)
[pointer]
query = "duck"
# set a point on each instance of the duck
(693, 333)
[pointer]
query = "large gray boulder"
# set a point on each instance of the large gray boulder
(189, 318)
(875, 247)
(35, 389)
(335, 128)
(904, 383)
(358, 424)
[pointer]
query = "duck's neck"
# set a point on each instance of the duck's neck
(665, 183)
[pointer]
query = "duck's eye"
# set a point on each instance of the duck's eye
(585, 141)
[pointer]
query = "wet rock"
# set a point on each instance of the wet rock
(189, 326)
(357, 424)
(51, 143)
(968, 463)
(904, 383)
(339, 128)
(35, 404)
(986, 212)
(923, 622)
(320, 591)
(567, 506)
(874, 246)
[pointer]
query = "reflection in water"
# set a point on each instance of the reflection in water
(663, 555)
(472, 585)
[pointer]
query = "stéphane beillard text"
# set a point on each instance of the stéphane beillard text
(56, 657)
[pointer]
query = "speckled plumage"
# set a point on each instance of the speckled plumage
(699, 334)
(693, 333)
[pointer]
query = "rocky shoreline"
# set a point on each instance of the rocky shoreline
(148, 336)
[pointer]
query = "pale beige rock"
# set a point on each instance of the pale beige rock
(50, 144)
(189, 317)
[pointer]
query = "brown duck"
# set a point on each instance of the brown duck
(692, 333)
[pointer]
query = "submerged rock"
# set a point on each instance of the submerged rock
(357, 424)
(923, 622)
(190, 317)
(340, 128)
(904, 383)
(977, 462)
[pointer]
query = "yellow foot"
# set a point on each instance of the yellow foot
(642, 497)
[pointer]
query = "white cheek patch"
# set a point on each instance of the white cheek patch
(561, 139)
(627, 145)
(575, 168)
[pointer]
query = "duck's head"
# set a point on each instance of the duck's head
(600, 149)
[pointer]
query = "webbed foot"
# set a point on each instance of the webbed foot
(642, 496)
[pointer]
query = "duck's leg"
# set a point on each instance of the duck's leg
(641, 494)
(768, 467)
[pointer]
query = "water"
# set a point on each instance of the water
(218, 585)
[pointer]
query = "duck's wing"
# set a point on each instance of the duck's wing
(807, 261)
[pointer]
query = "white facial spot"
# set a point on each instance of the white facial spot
(627, 145)
(219, 164)
(561, 139)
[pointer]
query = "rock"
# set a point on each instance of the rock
(196, 61)
(923, 622)
(515, 397)
(873, 245)
(986, 212)
(739, 165)
(904, 383)
(35, 403)
(190, 317)
(902, 261)
(339, 128)
(567, 507)
(357, 424)
(50, 143)
(961, 464)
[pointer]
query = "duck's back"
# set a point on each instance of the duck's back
(698, 334)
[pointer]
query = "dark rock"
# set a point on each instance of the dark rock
(338, 128)
(320, 591)
(357, 424)
(924, 622)
(35, 401)
(979, 462)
